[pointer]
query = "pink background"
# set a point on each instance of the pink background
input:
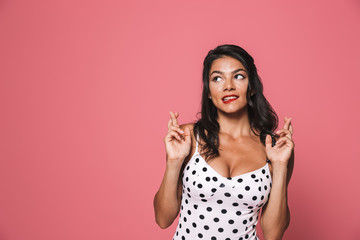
(85, 93)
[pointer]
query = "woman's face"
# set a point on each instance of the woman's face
(228, 77)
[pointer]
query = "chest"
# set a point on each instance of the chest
(239, 157)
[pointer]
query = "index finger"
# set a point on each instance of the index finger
(287, 123)
(174, 119)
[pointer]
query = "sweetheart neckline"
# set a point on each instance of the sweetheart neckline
(227, 178)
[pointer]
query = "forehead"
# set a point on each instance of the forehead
(226, 64)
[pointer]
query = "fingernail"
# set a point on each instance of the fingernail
(181, 131)
(277, 131)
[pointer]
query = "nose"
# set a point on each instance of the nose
(229, 84)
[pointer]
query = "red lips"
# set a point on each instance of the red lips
(230, 100)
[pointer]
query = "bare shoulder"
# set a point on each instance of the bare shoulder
(187, 125)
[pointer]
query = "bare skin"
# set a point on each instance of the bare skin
(240, 150)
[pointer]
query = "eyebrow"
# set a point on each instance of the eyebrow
(220, 72)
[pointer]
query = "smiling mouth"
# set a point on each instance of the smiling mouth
(229, 99)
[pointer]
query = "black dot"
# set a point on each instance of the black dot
(202, 195)
(194, 183)
(229, 178)
(231, 221)
(246, 236)
(189, 212)
(206, 227)
(207, 179)
(213, 190)
(235, 231)
(201, 216)
(187, 230)
(177, 233)
(219, 201)
(182, 237)
(267, 176)
(193, 172)
(227, 194)
(245, 221)
(254, 198)
(247, 188)
(223, 211)
(180, 225)
(250, 207)
(185, 219)
(240, 180)
(235, 204)
(200, 235)
(187, 168)
(197, 160)
(256, 180)
(186, 201)
(204, 200)
(187, 179)
(194, 225)
(222, 185)
(253, 175)
(216, 219)
(260, 189)
(227, 239)
(240, 196)
(209, 209)
(204, 169)
(200, 185)
(213, 238)
(214, 179)
(250, 219)
(195, 206)
(263, 171)
(238, 213)
(262, 197)
(265, 187)
(220, 229)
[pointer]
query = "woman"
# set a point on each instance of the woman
(221, 170)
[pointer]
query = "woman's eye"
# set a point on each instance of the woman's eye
(215, 78)
(239, 76)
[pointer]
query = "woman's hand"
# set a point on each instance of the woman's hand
(281, 152)
(177, 142)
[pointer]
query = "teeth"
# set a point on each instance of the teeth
(227, 98)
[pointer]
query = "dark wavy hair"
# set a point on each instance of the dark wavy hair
(261, 115)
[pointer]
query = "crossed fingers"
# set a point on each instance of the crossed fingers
(174, 126)
(286, 132)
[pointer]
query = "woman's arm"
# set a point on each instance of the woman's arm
(167, 199)
(178, 145)
(275, 216)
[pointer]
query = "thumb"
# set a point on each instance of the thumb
(268, 141)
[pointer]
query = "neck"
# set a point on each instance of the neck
(235, 124)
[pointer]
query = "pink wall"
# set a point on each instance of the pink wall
(85, 93)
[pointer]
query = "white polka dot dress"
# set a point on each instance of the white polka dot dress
(217, 208)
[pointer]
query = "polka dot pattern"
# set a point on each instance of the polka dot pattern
(216, 207)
